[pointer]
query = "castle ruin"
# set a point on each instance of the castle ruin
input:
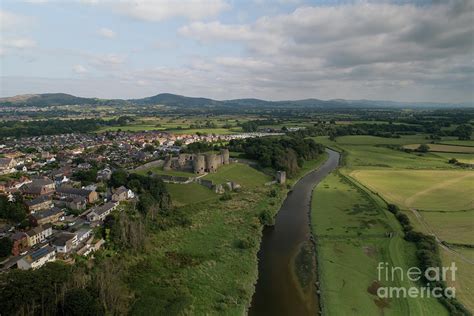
(197, 163)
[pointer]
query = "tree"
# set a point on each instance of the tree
(5, 247)
(423, 148)
(463, 132)
(80, 302)
(118, 178)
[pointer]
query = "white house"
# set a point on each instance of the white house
(37, 258)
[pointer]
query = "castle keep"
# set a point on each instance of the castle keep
(197, 163)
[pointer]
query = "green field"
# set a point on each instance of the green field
(441, 190)
(458, 142)
(240, 173)
(464, 282)
(453, 227)
(182, 194)
(410, 180)
(350, 226)
(464, 158)
(382, 157)
(444, 148)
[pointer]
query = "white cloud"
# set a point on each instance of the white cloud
(159, 10)
(106, 33)
(79, 69)
(10, 21)
(18, 43)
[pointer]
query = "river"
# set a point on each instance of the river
(280, 290)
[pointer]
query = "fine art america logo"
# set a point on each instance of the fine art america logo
(435, 278)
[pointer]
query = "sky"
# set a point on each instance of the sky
(225, 49)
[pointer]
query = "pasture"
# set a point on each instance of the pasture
(441, 190)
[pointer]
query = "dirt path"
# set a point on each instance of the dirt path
(409, 201)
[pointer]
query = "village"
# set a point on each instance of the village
(60, 185)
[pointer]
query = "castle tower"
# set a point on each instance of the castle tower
(281, 177)
(199, 164)
(212, 162)
(225, 156)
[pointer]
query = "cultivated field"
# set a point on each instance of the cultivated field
(440, 190)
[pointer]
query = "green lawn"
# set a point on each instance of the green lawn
(240, 173)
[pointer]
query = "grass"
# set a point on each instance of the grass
(442, 190)
(200, 269)
(183, 194)
(383, 157)
(458, 142)
(444, 148)
(461, 157)
(240, 173)
(410, 180)
(464, 282)
(453, 227)
(350, 227)
(160, 171)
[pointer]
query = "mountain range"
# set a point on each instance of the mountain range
(173, 100)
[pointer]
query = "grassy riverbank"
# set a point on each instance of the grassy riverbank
(210, 266)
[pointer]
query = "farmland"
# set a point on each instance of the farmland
(441, 192)
(422, 189)
(350, 226)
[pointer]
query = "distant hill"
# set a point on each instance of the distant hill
(173, 100)
(53, 99)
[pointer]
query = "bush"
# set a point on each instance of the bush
(246, 243)
(266, 218)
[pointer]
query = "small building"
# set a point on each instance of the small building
(99, 213)
(104, 174)
(38, 187)
(20, 243)
(43, 202)
(73, 203)
(65, 242)
(65, 191)
(7, 165)
(37, 258)
(50, 216)
(39, 234)
(122, 194)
